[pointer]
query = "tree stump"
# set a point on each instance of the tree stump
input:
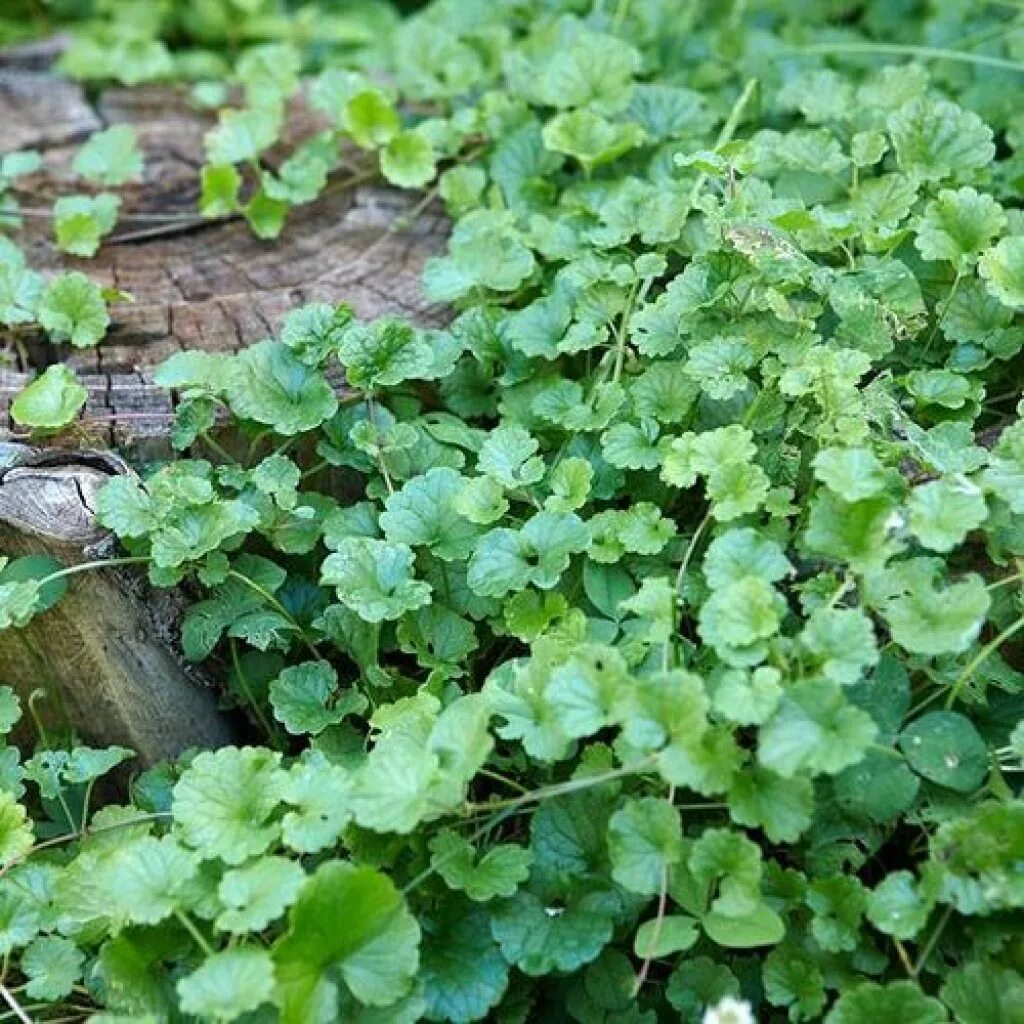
(107, 652)
(103, 656)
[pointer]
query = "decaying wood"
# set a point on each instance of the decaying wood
(104, 654)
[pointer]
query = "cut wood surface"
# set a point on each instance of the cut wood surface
(195, 284)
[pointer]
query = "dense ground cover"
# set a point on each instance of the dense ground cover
(659, 650)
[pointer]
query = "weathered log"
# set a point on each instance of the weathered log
(105, 653)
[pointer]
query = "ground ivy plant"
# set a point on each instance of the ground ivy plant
(638, 648)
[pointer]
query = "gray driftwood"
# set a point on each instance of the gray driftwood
(104, 654)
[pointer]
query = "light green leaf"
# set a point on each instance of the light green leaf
(72, 309)
(257, 894)
(225, 800)
(498, 872)
(374, 578)
(228, 984)
(110, 157)
(645, 839)
(267, 383)
(408, 160)
(51, 401)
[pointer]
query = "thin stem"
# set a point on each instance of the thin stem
(732, 122)
(902, 50)
(498, 777)
(101, 563)
(243, 682)
(15, 1006)
(690, 549)
(941, 315)
(620, 341)
(659, 919)
(1006, 581)
(560, 789)
(280, 608)
(313, 470)
(217, 447)
(426, 873)
(990, 648)
(189, 925)
(929, 946)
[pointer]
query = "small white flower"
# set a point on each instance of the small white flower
(729, 1011)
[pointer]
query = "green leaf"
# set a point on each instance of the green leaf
(110, 157)
(896, 907)
(145, 879)
(937, 139)
(900, 1002)
(424, 513)
(51, 401)
(72, 309)
(539, 941)
(740, 613)
(371, 119)
(241, 135)
(857, 533)
(16, 837)
(317, 794)
(1002, 269)
(759, 927)
(505, 560)
(257, 894)
(815, 730)
(81, 222)
(228, 984)
(958, 224)
(464, 974)
(498, 872)
(219, 188)
(267, 383)
(225, 801)
(305, 698)
(985, 993)
(374, 578)
(408, 160)
(644, 840)
(20, 290)
(925, 619)
(850, 473)
(946, 749)
(943, 512)
(351, 920)
(664, 936)
(760, 798)
(589, 138)
(736, 554)
(793, 979)
(53, 965)
(838, 902)
(841, 643)
(485, 251)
